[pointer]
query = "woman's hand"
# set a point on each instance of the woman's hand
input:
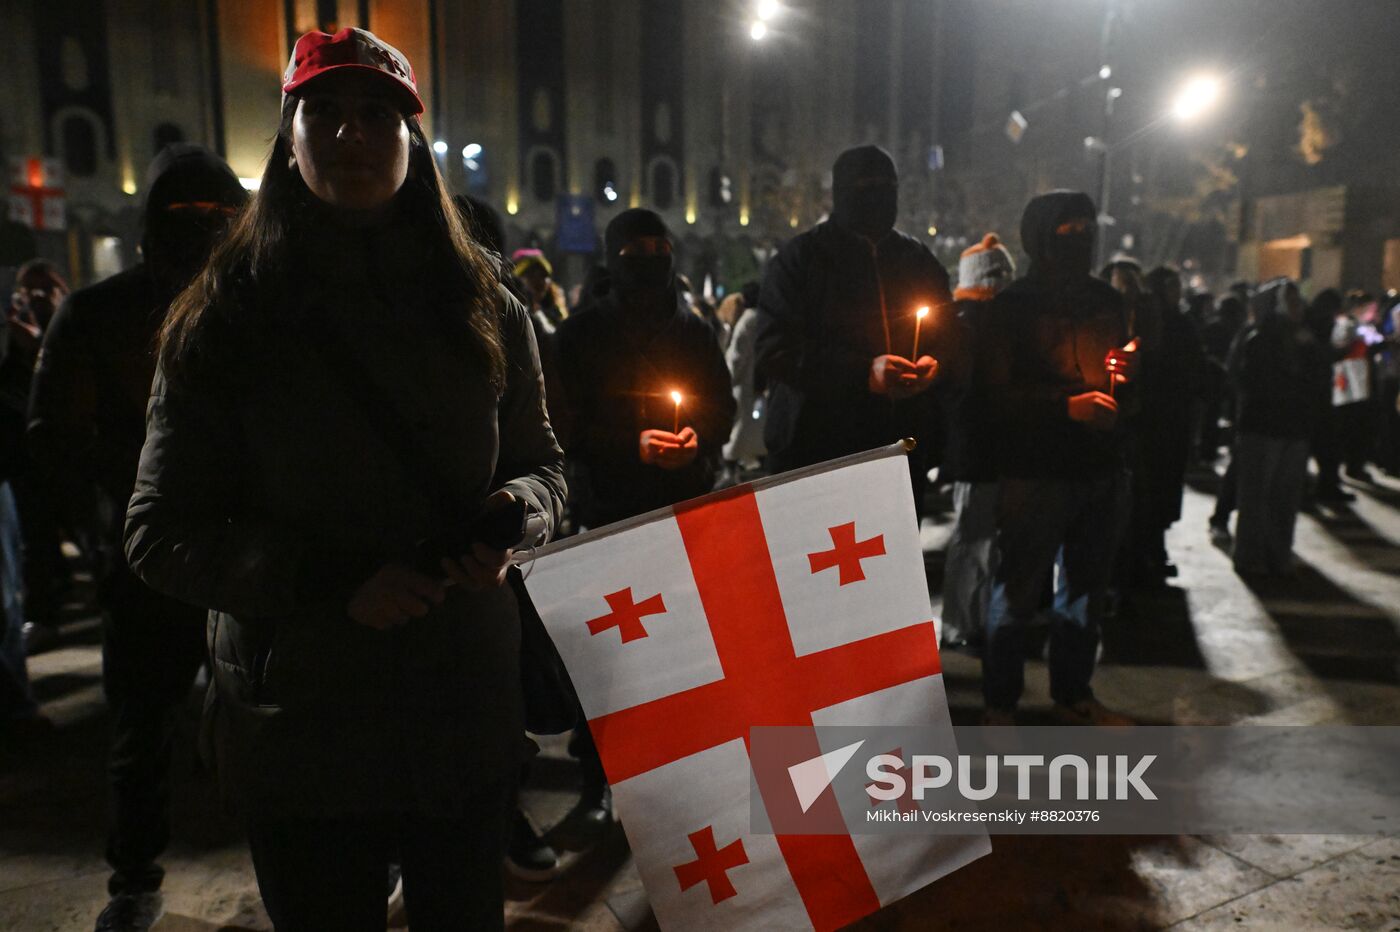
(393, 595)
(482, 567)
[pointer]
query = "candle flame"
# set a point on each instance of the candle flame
(676, 397)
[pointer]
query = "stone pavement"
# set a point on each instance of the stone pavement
(1322, 648)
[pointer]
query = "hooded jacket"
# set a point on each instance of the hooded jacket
(827, 297)
(267, 493)
(1044, 340)
(618, 366)
(87, 410)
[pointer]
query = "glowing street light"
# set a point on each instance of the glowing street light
(768, 10)
(1198, 96)
(758, 31)
(471, 150)
(440, 147)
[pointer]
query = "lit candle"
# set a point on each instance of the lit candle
(1113, 360)
(676, 397)
(919, 316)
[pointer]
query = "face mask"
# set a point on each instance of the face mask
(642, 277)
(177, 247)
(1072, 255)
(871, 212)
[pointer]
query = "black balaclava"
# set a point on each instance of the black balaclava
(638, 280)
(1055, 256)
(868, 210)
(176, 243)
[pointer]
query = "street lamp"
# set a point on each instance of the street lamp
(758, 31)
(1196, 97)
(768, 10)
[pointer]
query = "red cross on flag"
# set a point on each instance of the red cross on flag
(37, 197)
(799, 600)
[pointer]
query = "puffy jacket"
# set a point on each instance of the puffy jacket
(265, 495)
(827, 297)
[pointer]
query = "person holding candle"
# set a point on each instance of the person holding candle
(647, 393)
(848, 357)
(345, 399)
(1044, 353)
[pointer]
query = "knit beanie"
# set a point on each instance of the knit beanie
(984, 269)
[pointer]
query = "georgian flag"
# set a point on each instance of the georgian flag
(798, 600)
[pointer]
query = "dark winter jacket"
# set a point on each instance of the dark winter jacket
(1045, 340)
(618, 368)
(266, 494)
(827, 298)
(970, 455)
(87, 411)
(1281, 376)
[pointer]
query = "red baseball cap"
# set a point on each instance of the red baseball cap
(320, 53)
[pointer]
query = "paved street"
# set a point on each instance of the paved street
(1322, 648)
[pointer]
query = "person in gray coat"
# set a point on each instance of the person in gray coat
(341, 393)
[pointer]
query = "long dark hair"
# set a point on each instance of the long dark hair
(253, 258)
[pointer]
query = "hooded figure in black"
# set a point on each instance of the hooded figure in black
(837, 326)
(87, 421)
(620, 360)
(1048, 344)
(632, 447)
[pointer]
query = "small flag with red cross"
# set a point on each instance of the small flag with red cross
(37, 196)
(797, 600)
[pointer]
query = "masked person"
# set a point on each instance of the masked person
(1052, 341)
(345, 439)
(86, 426)
(38, 291)
(836, 341)
(635, 446)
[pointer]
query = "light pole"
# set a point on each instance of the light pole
(1110, 94)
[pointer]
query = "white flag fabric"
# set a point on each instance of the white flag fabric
(799, 600)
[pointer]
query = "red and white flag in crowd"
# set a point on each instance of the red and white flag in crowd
(799, 600)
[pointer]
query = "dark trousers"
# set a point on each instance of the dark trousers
(45, 571)
(1074, 525)
(328, 875)
(152, 648)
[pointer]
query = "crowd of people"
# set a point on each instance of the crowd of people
(299, 442)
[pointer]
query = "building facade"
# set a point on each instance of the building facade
(560, 113)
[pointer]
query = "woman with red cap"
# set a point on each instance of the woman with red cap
(345, 440)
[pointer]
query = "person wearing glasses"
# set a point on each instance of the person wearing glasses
(87, 418)
(346, 438)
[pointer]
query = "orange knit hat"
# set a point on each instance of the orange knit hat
(984, 269)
